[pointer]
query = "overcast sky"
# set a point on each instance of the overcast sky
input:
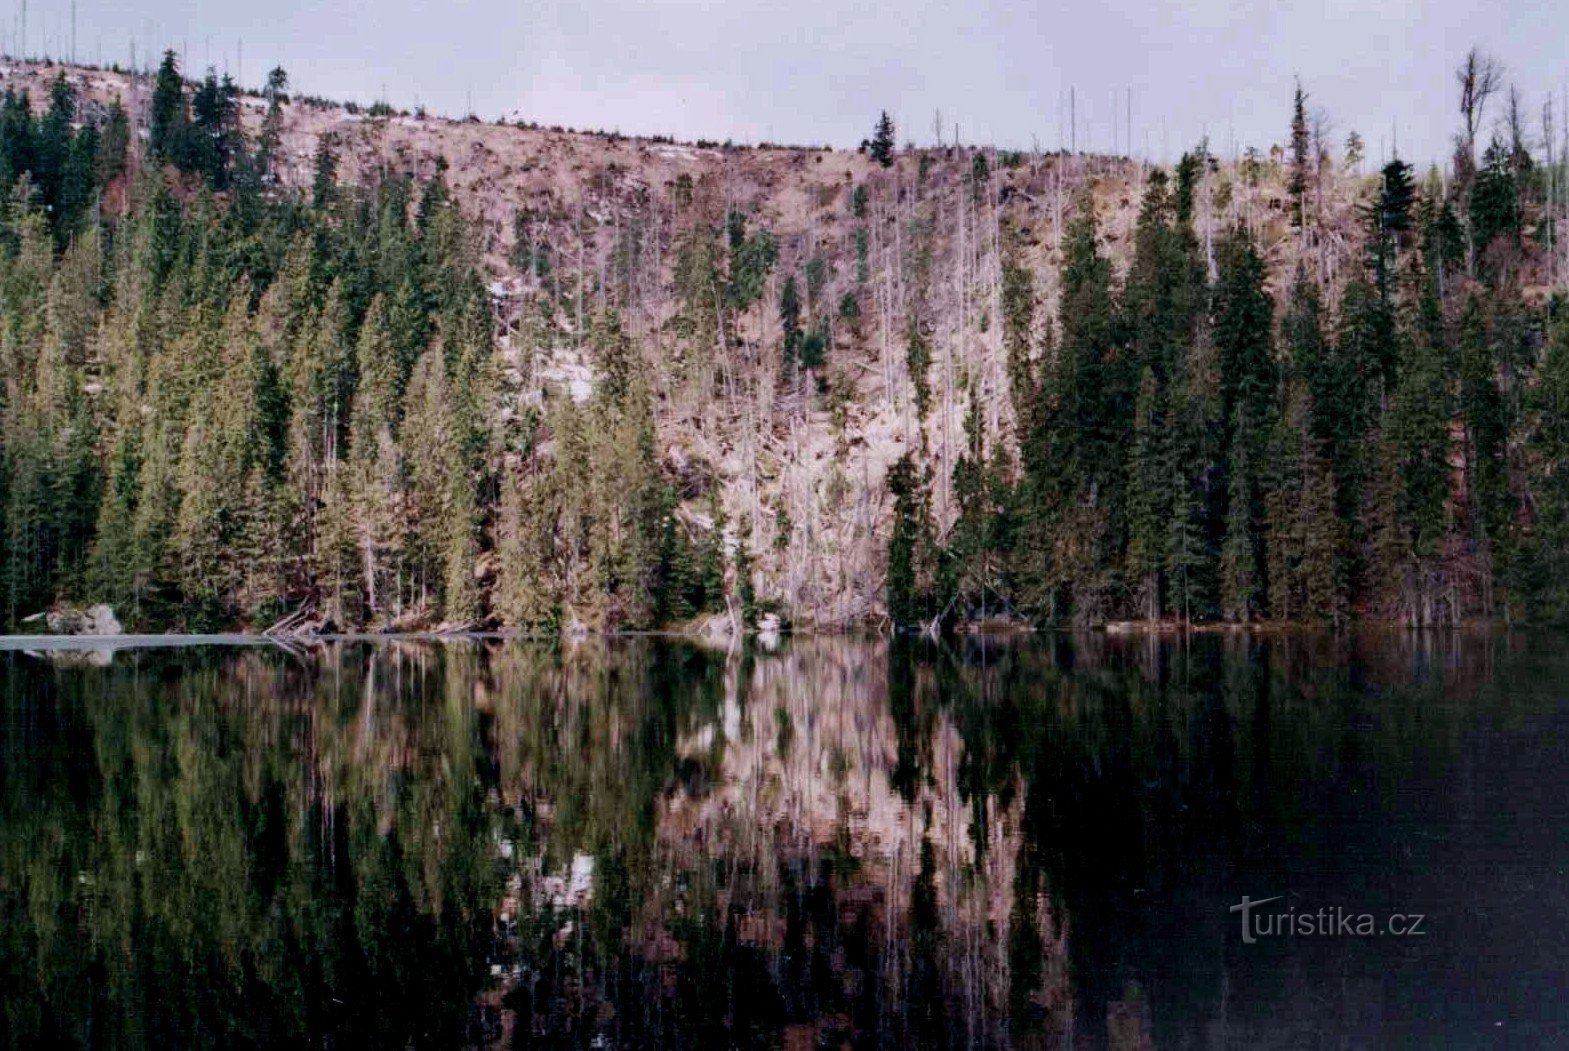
(811, 71)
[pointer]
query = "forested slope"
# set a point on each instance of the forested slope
(264, 356)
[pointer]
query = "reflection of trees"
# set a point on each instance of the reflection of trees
(585, 741)
(887, 844)
(842, 855)
(757, 874)
(204, 848)
(1158, 776)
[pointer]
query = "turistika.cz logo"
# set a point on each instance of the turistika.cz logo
(1327, 921)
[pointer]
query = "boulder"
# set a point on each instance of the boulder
(94, 620)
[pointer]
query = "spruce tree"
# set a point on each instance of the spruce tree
(168, 129)
(377, 394)
(1242, 325)
(1093, 388)
(1149, 498)
(52, 143)
(711, 558)
(912, 568)
(1494, 211)
(213, 134)
(881, 145)
(335, 568)
(1443, 239)
(1281, 481)
(1362, 371)
(790, 322)
(700, 290)
(918, 361)
(1542, 580)
(1301, 150)
(745, 588)
(676, 576)
(324, 169)
(215, 455)
(1309, 357)
(1239, 555)
(1484, 413)
(262, 544)
(18, 137)
(113, 145)
(1155, 325)
(1326, 539)
(444, 518)
(1071, 500)
(1018, 323)
(532, 550)
(752, 258)
(1189, 559)
(979, 536)
(1416, 430)
(1396, 197)
(110, 572)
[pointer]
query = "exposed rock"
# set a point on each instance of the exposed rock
(94, 620)
(717, 626)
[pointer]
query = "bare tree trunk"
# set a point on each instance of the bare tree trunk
(368, 561)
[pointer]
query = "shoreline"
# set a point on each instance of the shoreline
(1115, 629)
(172, 640)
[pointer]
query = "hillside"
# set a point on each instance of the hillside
(566, 225)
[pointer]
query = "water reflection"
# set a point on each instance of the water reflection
(642, 843)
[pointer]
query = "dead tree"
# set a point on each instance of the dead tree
(1479, 78)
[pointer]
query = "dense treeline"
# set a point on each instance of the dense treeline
(226, 401)
(1197, 446)
(179, 438)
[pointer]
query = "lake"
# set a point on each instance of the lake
(640, 842)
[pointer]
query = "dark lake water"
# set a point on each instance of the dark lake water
(642, 843)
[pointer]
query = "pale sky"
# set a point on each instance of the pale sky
(811, 71)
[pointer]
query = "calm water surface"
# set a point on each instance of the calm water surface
(642, 843)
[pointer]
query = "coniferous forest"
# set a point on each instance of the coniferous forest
(228, 398)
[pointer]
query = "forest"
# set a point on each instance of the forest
(1194, 447)
(230, 398)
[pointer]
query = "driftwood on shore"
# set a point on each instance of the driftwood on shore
(297, 624)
